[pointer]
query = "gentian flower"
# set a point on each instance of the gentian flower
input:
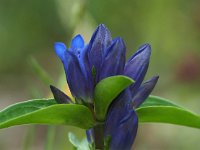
(87, 64)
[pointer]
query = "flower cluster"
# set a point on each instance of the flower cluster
(87, 64)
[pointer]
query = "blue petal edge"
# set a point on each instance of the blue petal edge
(60, 49)
(77, 42)
(144, 91)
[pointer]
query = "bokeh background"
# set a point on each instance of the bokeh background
(29, 28)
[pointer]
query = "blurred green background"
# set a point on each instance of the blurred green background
(29, 28)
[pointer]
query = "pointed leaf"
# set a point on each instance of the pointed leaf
(106, 91)
(59, 96)
(157, 109)
(46, 112)
(78, 144)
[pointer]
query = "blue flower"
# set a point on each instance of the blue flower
(103, 56)
(87, 64)
(122, 121)
(76, 65)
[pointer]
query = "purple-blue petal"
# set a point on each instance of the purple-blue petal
(59, 96)
(144, 91)
(101, 39)
(87, 71)
(77, 42)
(136, 67)
(90, 135)
(124, 99)
(114, 61)
(121, 126)
(75, 77)
(60, 49)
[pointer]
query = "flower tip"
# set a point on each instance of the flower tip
(51, 86)
(59, 96)
(145, 50)
(155, 78)
(77, 42)
(119, 41)
(145, 47)
(60, 49)
(102, 26)
(53, 89)
(103, 29)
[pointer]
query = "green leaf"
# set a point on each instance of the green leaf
(106, 91)
(156, 109)
(46, 112)
(79, 145)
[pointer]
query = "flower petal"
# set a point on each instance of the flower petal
(77, 42)
(75, 77)
(59, 96)
(121, 126)
(144, 91)
(101, 39)
(114, 61)
(84, 63)
(136, 67)
(90, 135)
(60, 49)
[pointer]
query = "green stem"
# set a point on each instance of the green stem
(99, 136)
(51, 131)
(29, 137)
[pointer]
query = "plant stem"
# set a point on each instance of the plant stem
(51, 131)
(99, 136)
(29, 138)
